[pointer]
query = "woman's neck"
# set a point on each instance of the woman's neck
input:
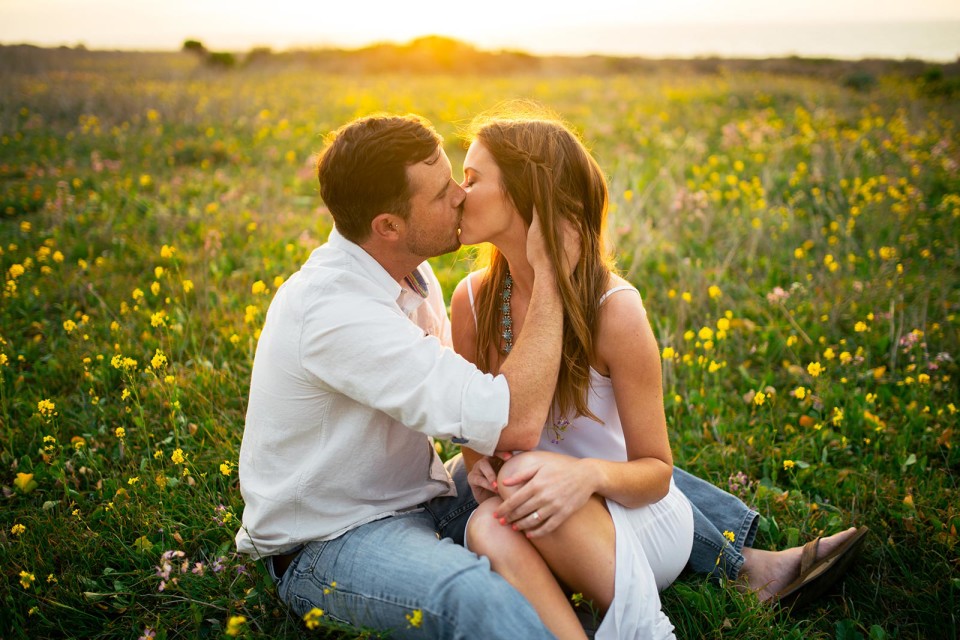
(520, 269)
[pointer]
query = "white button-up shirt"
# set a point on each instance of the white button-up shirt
(352, 377)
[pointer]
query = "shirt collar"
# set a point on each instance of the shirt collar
(415, 282)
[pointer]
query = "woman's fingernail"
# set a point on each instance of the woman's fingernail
(494, 485)
(503, 521)
(515, 528)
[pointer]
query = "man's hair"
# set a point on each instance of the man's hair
(363, 170)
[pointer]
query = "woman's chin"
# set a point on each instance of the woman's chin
(467, 238)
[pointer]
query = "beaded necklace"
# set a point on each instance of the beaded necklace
(506, 321)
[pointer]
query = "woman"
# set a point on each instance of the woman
(595, 504)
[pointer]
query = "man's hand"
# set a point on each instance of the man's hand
(538, 253)
(483, 479)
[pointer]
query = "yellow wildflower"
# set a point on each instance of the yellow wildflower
(759, 398)
(814, 369)
(17, 529)
(120, 432)
(669, 353)
(729, 535)
(25, 482)
(788, 464)
(178, 457)
(235, 625)
(46, 408)
(415, 618)
(159, 360)
(259, 287)
(312, 618)
(27, 579)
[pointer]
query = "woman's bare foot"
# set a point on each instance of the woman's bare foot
(768, 572)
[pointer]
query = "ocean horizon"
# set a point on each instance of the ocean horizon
(933, 41)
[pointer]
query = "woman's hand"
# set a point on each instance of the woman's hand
(483, 478)
(548, 489)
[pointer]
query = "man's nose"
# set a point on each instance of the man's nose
(459, 196)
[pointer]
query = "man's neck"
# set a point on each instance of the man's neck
(397, 266)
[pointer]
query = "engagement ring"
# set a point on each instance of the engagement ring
(535, 515)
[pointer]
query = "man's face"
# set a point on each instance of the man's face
(436, 205)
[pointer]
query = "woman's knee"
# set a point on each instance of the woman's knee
(486, 536)
(514, 466)
(483, 528)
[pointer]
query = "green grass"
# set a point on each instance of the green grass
(848, 200)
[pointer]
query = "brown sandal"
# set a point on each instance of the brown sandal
(817, 576)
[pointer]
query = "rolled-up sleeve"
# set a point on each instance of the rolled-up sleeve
(360, 345)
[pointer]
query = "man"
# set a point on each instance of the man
(345, 495)
(346, 499)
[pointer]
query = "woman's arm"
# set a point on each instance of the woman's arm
(627, 349)
(555, 485)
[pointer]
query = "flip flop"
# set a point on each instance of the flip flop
(817, 576)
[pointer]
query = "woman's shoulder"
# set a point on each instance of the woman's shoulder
(470, 282)
(621, 311)
(620, 292)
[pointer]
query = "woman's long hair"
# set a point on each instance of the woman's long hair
(545, 166)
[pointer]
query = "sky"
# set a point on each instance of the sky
(928, 29)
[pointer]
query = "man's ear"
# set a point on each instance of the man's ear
(386, 226)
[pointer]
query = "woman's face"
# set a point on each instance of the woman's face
(488, 213)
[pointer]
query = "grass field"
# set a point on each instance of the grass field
(796, 240)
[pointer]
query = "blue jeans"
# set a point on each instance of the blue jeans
(377, 575)
(716, 511)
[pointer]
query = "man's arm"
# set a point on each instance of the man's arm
(532, 367)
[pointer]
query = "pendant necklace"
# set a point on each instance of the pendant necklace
(506, 321)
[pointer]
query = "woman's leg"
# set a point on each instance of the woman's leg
(581, 552)
(513, 557)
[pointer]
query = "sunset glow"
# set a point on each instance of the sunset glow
(610, 26)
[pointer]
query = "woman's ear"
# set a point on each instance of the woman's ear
(386, 226)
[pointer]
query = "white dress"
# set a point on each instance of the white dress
(653, 542)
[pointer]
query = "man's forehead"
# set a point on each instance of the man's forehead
(432, 173)
(435, 156)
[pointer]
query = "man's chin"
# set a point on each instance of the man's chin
(450, 249)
